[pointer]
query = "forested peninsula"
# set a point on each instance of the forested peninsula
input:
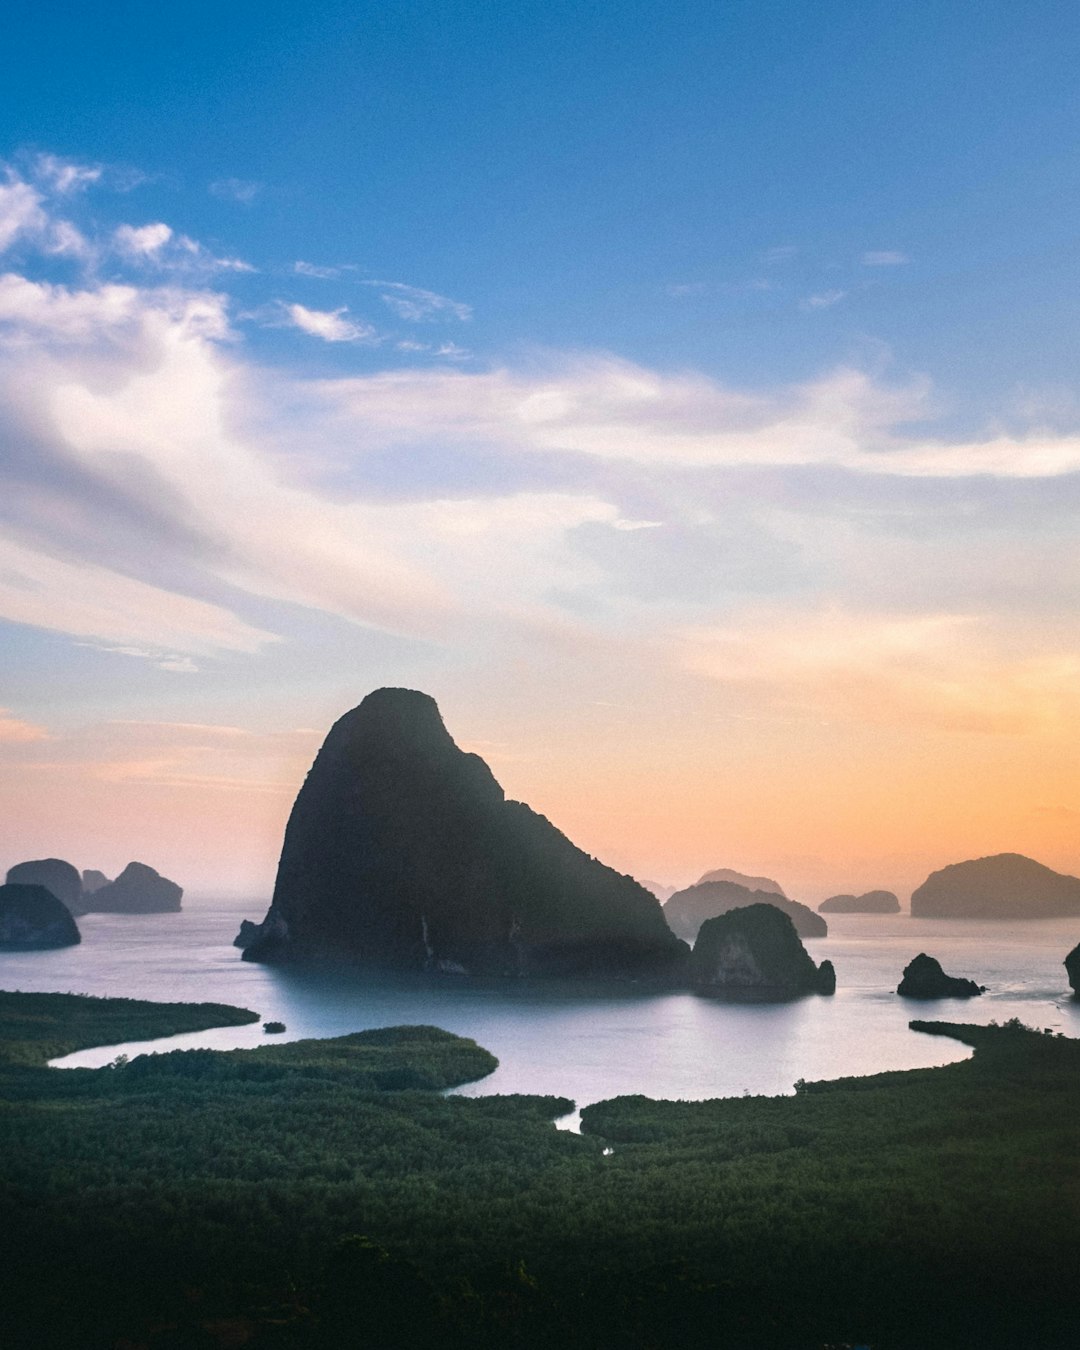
(324, 1194)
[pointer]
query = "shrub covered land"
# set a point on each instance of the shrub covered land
(320, 1194)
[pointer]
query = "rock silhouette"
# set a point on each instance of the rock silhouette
(402, 852)
(93, 881)
(870, 902)
(756, 950)
(924, 978)
(1004, 886)
(688, 909)
(1072, 969)
(57, 876)
(137, 890)
(741, 879)
(33, 919)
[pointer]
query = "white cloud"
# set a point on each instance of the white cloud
(241, 190)
(331, 324)
(781, 254)
(886, 257)
(20, 211)
(823, 299)
(144, 241)
(416, 305)
(65, 176)
(96, 602)
(158, 245)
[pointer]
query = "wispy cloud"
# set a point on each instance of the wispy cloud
(65, 176)
(240, 190)
(14, 731)
(331, 325)
(782, 253)
(823, 299)
(886, 257)
(157, 244)
(419, 306)
(306, 269)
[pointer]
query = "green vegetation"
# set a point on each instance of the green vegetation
(300, 1196)
(35, 1028)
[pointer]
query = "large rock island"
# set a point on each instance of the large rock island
(688, 909)
(33, 919)
(403, 853)
(756, 950)
(1004, 886)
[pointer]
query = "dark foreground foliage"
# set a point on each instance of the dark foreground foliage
(304, 1206)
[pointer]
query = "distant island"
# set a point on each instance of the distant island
(402, 852)
(742, 879)
(870, 902)
(138, 889)
(1004, 886)
(688, 909)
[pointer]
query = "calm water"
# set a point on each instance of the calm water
(589, 1046)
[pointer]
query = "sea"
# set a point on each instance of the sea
(585, 1042)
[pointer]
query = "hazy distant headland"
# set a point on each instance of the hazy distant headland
(1004, 886)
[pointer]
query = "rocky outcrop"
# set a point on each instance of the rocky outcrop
(1072, 969)
(249, 933)
(658, 889)
(93, 881)
(33, 919)
(1005, 886)
(402, 852)
(741, 879)
(756, 950)
(687, 910)
(137, 890)
(924, 978)
(57, 876)
(870, 902)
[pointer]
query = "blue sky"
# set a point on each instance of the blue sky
(674, 385)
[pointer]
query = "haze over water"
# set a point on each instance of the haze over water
(589, 1044)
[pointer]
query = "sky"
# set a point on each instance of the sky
(686, 395)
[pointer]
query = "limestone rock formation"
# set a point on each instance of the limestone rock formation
(741, 879)
(924, 978)
(248, 934)
(33, 919)
(687, 910)
(658, 889)
(93, 881)
(870, 902)
(1072, 969)
(402, 852)
(756, 950)
(137, 890)
(57, 876)
(1005, 886)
